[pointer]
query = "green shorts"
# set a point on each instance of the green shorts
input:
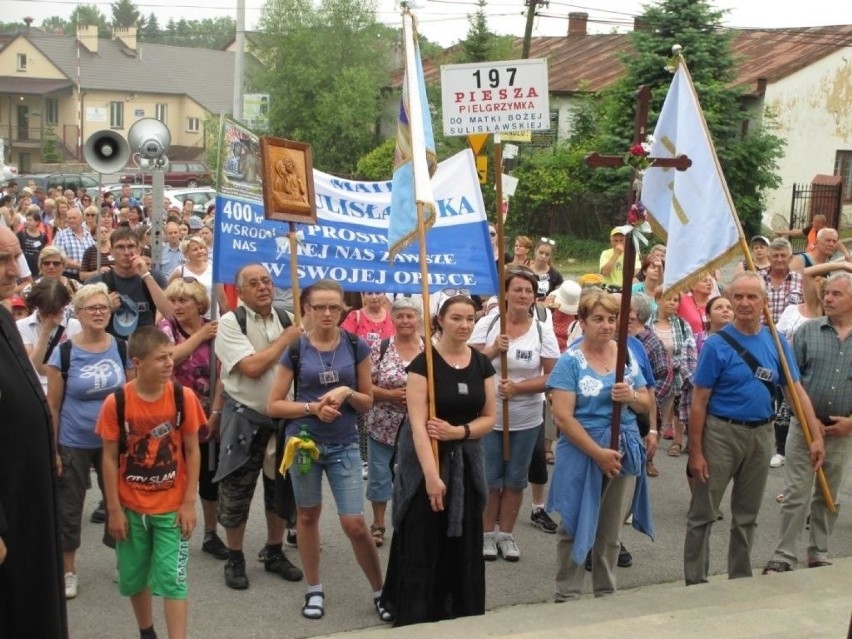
(154, 554)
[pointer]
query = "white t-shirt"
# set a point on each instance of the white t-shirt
(791, 319)
(524, 362)
(30, 327)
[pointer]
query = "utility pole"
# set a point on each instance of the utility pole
(239, 60)
(531, 6)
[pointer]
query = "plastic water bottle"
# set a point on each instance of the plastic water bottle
(303, 457)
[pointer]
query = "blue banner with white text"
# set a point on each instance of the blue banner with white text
(349, 243)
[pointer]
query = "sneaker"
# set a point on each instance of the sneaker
(235, 575)
(290, 539)
(541, 520)
(215, 546)
(777, 461)
(625, 559)
(508, 548)
(489, 548)
(279, 564)
(70, 585)
(99, 514)
(365, 470)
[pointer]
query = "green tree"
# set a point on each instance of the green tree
(151, 31)
(125, 14)
(54, 24)
(481, 44)
(88, 14)
(326, 69)
(748, 161)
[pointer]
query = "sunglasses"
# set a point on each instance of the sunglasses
(452, 292)
(547, 240)
(51, 263)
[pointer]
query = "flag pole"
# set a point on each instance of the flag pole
(767, 316)
(420, 169)
(294, 276)
(501, 288)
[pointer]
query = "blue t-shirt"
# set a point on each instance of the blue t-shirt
(320, 372)
(593, 408)
(637, 352)
(91, 377)
(736, 392)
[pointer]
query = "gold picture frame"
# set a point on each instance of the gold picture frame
(288, 181)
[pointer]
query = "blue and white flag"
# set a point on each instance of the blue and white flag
(692, 209)
(414, 157)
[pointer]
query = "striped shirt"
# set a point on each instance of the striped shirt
(73, 246)
(789, 292)
(826, 367)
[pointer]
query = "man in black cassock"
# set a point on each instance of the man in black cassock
(32, 590)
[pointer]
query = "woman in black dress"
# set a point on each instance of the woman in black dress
(436, 570)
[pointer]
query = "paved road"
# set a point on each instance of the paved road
(270, 607)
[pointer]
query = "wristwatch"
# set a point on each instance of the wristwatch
(307, 408)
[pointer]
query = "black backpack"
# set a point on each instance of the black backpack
(123, 429)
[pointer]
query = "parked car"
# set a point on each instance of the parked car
(201, 197)
(62, 180)
(177, 173)
(136, 190)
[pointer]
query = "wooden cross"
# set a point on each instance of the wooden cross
(595, 161)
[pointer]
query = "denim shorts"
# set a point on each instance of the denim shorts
(342, 466)
(510, 474)
(380, 482)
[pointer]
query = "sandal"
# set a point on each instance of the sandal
(651, 470)
(549, 457)
(384, 614)
(774, 567)
(378, 533)
(674, 450)
(314, 610)
(818, 563)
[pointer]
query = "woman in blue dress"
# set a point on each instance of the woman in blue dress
(590, 480)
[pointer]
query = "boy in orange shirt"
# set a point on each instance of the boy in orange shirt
(150, 470)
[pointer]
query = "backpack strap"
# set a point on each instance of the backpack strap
(60, 330)
(178, 392)
(383, 348)
(283, 316)
(295, 357)
(240, 315)
(121, 345)
(65, 359)
(537, 326)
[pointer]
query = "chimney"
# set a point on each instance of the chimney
(577, 21)
(125, 35)
(88, 37)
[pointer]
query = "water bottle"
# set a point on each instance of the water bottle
(303, 458)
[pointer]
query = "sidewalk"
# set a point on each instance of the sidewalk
(805, 603)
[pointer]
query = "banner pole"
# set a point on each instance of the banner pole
(294, 275)
(427, 326)
(501, 289)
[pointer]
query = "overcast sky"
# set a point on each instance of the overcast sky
(445, 21)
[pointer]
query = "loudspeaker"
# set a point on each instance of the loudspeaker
(106, 151)
(150, 138)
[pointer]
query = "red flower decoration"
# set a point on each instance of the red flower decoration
(638, 150)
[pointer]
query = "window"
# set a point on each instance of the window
(51, 111)
(116, 115)
(160, 112)
(22, 62)
(843, 168)
(193, 125)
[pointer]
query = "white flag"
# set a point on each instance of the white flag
(693, 208)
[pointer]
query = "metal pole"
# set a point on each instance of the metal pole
(158, 179)
(239, 60)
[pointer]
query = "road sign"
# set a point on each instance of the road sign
(482, 168)
(495, 97)
(476, 142)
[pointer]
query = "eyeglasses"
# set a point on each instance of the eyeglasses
(547, 240)
(331, 308)
(263, 281)
(51, 263)
(125, 247)
(450, 292)
(96, 309)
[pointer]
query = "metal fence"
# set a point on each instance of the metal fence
(812, 199)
